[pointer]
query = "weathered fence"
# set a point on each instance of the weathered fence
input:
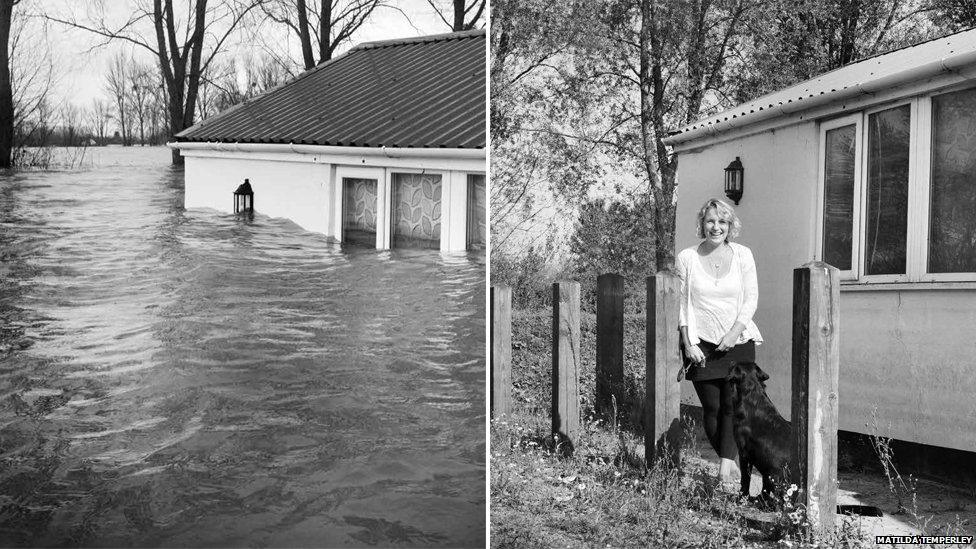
(566, 360)
(662, 395)
(609, 343)
(501, 350)
(815, 385)
(814, 371)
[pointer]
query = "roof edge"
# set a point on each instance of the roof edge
(757, 111)
(419, 39)
(389, 152)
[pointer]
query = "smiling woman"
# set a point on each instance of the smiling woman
(719, 294)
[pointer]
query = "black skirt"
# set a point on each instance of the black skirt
(717, 363)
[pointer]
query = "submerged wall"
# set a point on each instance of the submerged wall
(298, 191)
(906, 351)
(414, 201)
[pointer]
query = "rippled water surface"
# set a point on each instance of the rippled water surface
(172, 377)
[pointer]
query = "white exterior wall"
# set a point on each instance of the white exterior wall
(300, 192)
(306, 188)
(776, 207)
(906, 354)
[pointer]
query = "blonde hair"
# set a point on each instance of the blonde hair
(725, 211)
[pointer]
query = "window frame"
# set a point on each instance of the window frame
(833, 124)
(912, 164)
(445, 197)
(928, 134)
(359, 172)
(467, 222)
(919, 212)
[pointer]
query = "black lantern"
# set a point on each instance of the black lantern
(733, 181)
(244, 198)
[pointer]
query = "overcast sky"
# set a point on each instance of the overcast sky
(81, 63)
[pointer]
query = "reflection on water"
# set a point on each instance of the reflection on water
(173, 377)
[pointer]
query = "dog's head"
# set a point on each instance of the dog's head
(747, 376)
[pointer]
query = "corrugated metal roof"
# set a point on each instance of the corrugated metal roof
(865, 77)
(426, 92)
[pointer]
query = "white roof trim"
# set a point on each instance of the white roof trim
(333, 150)
(867, 77)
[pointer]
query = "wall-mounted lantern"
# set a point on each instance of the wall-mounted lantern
(733, 181)
(244, 198)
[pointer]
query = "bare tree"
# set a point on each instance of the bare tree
(117, 87)
(321, 27)
(98, 116)
(71, 121)
(32, 76)
(6, 89)
(158, 120)
(466, 14)
(207, 92)
(228, 84)
(142, 87)
(181, 62)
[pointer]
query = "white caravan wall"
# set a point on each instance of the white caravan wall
(780, 175)
(906, 353)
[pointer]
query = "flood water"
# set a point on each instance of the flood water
(191, 378)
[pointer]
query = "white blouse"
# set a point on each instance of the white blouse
(711, 305)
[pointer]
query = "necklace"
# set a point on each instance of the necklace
(716, 262)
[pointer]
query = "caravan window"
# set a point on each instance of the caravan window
(887, 191)
(898, 191)
(952, 214)
(839, 184)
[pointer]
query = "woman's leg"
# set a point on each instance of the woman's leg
(727, 448)
(710, 395)
(728, 470)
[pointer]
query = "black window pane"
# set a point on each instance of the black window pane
(887, 200)
(952, 220)
(839, 196)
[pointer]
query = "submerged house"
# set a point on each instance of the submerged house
(384, 145)
(872, 169)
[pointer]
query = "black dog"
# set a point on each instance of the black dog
(762, 435)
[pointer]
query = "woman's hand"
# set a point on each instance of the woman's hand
(695, 354)
(728, 341)
(731, 337)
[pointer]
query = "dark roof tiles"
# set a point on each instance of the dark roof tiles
(424, 92)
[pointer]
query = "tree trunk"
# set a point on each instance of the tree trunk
(652, 134)
(304, 36)
(458, 15)
(325, 29)
(6, 91)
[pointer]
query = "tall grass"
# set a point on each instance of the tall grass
(606, 495)
(49, 157)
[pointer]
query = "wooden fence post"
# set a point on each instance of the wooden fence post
(815, 380)
(609, 342)
(565, 360)
(501, 350)
(662, 401)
